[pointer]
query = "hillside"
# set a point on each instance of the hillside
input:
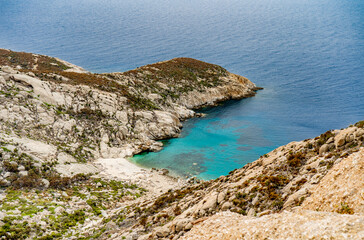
(319, 181)
(62, 127)
(90, 115)
(64, 133)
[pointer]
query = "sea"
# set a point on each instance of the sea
(308, 55)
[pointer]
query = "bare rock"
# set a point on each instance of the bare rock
(7, 174)
(188, 226)
(296, 197)
(162, 231)
(286, 225)
(8, 69)
(63, 157)
(255, 200)
(2, 80)
(330, 140)
(59, 210)
(211, 202)
(323, 149)
(2, 215)
(359, 133)
(23, 173)
(251, 212)
(45, 183)
(226, 206)
(156, 146)
(111, 225)
(221, 197)
(21, 168)
(181, 224)
(266, 212)
(343, 184)
(341, 137)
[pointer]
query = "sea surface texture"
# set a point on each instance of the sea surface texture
(308, 55)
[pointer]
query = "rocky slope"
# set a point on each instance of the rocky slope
(313, 189)
(56, 119)
(324, 174)
(286, 225)
(106, 115)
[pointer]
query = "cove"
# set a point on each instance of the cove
(210, 146)
(228, 137)
(308, 55)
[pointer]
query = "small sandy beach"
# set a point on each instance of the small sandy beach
(122, 169)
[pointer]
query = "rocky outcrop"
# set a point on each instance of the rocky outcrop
(286, 225)
(342, 189)
(56, 112)
(106, 115)
(56, 119)
(299, 175)
(55, 116)
(331, 201)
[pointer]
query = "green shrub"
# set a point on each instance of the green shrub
(360, 124)
(323, 138)
(345, 209)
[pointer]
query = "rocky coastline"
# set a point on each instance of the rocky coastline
(61, 124)
(65, 134)
(108, 115)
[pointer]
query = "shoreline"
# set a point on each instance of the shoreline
(201, 114)
(155, 181)
(79, 122)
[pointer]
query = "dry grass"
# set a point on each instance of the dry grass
(29, 61)
(180, 75)
(180, 69)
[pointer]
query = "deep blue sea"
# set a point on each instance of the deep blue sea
(307, 54)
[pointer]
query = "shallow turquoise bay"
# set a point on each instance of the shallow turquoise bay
(212, 146)
(308, 55)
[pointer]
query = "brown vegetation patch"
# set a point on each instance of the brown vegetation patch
(100, 82)
(30, 61)
(186, 74)
(360, 124)
(180, 69)
(296, 160)
(345, 209)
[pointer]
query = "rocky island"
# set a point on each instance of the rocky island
(65, 134)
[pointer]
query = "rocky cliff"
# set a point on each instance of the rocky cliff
(89, 115)
(313, 189)
(56, 119)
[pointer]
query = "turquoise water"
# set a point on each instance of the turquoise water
(308, 55)
(227, 138)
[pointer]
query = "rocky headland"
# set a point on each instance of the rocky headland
(65, 134)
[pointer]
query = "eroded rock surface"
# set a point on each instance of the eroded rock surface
(56, 119)
(106, 115)
(286, 225)
(297, 176)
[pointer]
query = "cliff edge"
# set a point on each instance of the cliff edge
(312, 189)
(86, 115)
(64, 132)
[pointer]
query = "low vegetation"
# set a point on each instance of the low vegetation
(63, 210)
(29, 61)
(179, 76)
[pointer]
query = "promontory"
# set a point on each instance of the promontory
(65, 134)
